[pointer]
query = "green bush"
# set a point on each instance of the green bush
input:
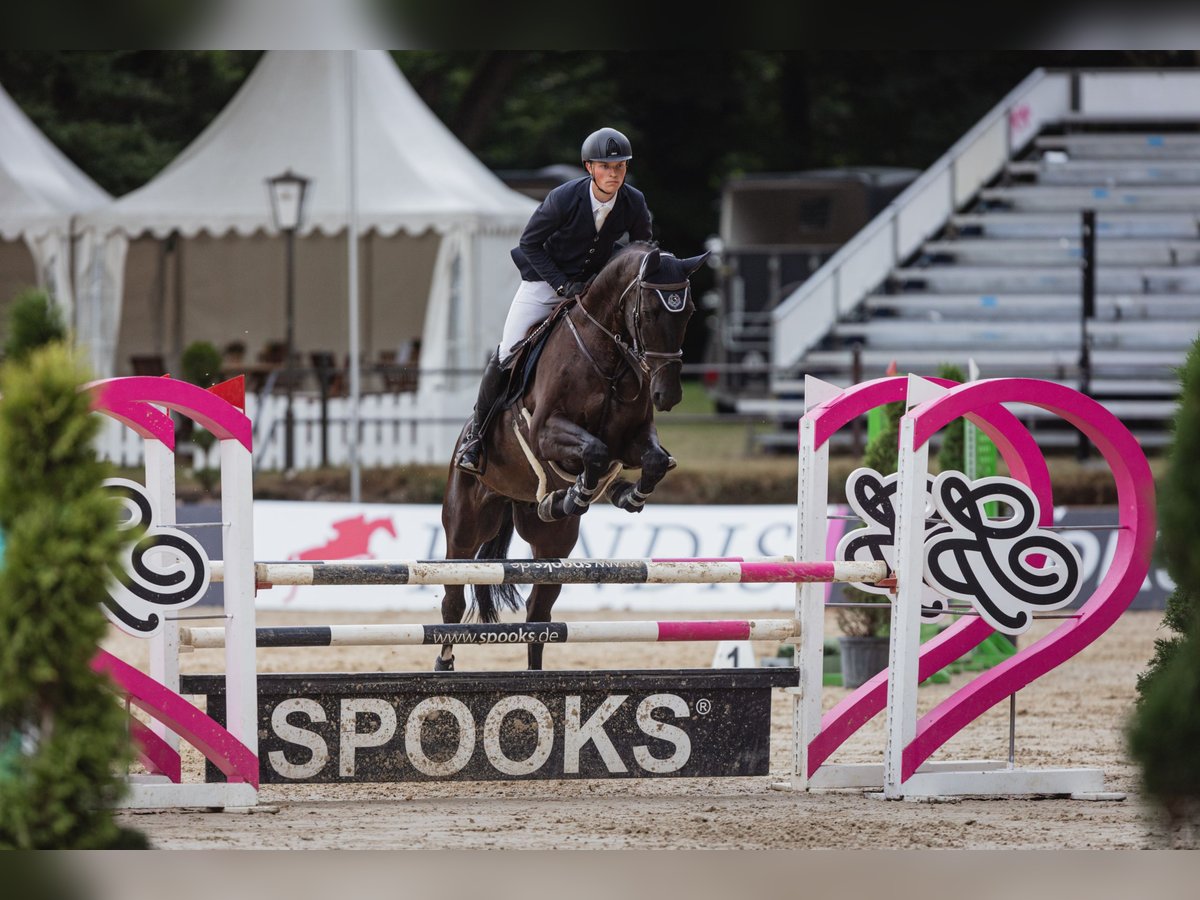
(63, 735)
(34, 320)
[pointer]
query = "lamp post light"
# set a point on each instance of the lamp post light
(287, 209)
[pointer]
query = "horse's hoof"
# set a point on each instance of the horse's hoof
(443, 665)
(631, 499)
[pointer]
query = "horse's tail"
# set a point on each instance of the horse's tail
(487, 598)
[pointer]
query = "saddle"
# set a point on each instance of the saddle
(522, 363)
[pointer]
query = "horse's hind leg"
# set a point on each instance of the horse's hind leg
(454, 604)
(471, 516)
(547, 541)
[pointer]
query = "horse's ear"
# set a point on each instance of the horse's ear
(691, 265)
(653, 258)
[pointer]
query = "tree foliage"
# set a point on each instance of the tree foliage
(123, 115)
(695, 118)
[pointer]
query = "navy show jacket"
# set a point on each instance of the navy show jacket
(561, 244)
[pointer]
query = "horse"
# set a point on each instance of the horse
(560, 440)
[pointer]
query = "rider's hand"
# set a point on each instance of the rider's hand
(572, 289)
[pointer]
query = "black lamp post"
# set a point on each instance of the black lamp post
(287, 209)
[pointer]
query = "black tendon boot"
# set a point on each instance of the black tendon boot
(470, 454)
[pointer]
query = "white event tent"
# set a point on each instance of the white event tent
(194, 254)
(40, 191)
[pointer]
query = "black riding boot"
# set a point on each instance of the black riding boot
(470, 454)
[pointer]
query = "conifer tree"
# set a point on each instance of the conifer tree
(63, 733)
(1165, 730)
(1178, 513)
(33, 321)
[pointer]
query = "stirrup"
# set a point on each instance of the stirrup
(470, 456)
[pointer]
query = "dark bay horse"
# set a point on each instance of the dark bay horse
(607, 364)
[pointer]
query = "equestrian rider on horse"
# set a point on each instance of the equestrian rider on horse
(569, 238)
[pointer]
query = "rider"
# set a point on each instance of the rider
(569, 238)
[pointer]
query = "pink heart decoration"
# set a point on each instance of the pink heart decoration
(979, 402)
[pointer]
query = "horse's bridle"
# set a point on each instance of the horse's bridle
(675, 301)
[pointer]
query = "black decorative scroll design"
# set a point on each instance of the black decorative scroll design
(160, 568)
(873, 499)
(1005, 567)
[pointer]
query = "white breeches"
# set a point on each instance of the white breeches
(533, 302)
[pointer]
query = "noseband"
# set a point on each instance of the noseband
(673, 296)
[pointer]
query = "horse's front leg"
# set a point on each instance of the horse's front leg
(563, 441)
(655, 463)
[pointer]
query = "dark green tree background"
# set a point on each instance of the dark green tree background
(696, 118)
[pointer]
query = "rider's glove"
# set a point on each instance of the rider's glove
(571, 289)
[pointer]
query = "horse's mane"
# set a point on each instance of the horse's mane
(623, 264)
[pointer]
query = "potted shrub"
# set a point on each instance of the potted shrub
(865, 630)
(865, 637)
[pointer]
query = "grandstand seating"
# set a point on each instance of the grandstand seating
(1001, 282)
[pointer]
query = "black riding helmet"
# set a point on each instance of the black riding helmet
(606, 145)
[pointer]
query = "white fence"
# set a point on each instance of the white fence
(394, 429)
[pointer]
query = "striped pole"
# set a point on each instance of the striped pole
(502, 633)
(558, 571)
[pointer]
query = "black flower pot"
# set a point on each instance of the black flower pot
(862, 658)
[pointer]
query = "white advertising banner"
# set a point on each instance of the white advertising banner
(299, 531)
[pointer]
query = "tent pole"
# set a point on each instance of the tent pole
(352, 247)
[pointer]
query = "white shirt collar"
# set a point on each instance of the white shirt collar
(596, 204)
